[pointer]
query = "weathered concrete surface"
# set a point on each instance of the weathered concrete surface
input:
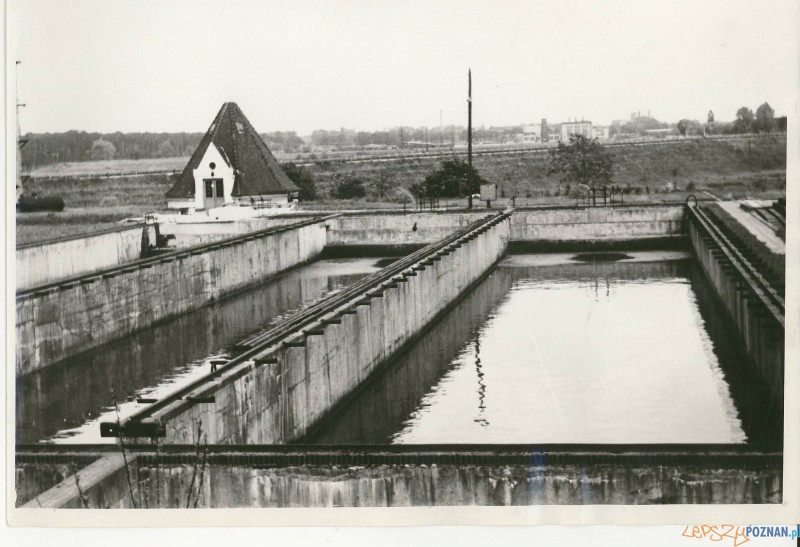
(593, 223)
(108, 482)
(453, 485)
(755, 236)
(397, 228)
(761, 335)
(531, 229)
(41, 263)
(236, 484)
(54, 324)
(279, 397)
(189, 234)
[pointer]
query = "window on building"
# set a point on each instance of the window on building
(219, 188)
(209, 188)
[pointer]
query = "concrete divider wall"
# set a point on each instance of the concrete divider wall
(189, 234)
(398, 229)
(41, 263)
(65, 320)
(627, 222)
(282, 395)
(761, 335)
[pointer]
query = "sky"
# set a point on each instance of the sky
(148, 65)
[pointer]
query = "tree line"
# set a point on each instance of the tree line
(74, 146)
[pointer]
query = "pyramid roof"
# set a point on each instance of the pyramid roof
(256, 171)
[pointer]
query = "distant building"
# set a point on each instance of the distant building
(601, 131)
(531, 133)
(576, 128)
(231, 166)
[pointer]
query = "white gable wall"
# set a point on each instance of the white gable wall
(222, 170)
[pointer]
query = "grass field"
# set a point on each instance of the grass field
(101, 168)
(752, 168)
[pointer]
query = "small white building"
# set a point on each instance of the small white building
(231, 166)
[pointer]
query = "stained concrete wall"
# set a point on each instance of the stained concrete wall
(453, 485)
(238, 485)
(760, 333)
(55, 324)
(550, 227)
(397, 228)
(41, 263)
(189, 234)
(593, 223)
(279, 401)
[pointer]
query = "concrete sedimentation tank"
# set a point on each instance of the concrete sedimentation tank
(239, 425)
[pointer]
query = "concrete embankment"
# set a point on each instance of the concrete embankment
(40, 263)
(392, 476)
(60, 320)
(278, 395)
(753, 314)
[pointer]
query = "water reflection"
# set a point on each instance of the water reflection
(568, 352)
(66, 400)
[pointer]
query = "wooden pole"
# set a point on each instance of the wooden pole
(469, 134)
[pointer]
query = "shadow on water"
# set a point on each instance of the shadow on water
(381, 409)
(762, 418)
(378, 411)
(69, 394)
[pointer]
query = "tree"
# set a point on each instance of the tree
(744, 120)
(582, 161)
(303, 179)
(349, 187)
(453, 178)
(165, 150)
(102, 150)
(764, 118)
(383, 184)
(683, 125)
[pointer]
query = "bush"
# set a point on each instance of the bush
(691, 187)
(349, 187)
(47, 203)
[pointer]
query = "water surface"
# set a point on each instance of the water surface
(549, 349)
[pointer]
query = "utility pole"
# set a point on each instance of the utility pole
(469, 135)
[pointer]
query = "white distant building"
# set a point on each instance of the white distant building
(576, 128)
(601, 132)
(532, 133)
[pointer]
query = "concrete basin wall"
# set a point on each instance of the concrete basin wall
(592, 223)
(398, 229)
(547, 228)
(57, 323)
(458, 485)
(237, 484)
(761, 335)
(41, 263)
(287, 391)
(189, 234)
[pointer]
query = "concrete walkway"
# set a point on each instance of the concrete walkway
(755, 226)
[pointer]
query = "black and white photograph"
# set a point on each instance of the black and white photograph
(501, 261)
